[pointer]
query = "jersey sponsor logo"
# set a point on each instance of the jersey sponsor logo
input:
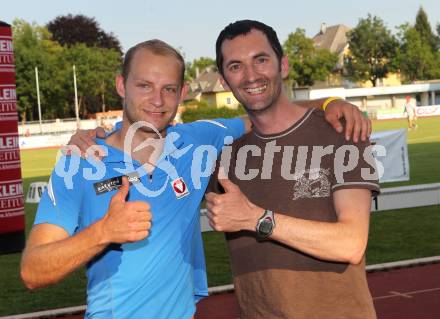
(179, 187)
(133, 178)
(115, 183)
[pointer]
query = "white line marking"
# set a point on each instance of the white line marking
(405, 294)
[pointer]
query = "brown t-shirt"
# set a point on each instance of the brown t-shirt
(282, 173)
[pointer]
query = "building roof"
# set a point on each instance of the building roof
(207, 82)
(333, 38)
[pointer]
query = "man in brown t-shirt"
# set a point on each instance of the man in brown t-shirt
(297, 197)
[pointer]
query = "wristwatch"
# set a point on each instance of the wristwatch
(265, 224)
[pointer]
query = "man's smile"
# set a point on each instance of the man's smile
(256, 90)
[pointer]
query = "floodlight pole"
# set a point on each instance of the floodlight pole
(76, 98)
(38, 99)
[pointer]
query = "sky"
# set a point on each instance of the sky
(193, 25)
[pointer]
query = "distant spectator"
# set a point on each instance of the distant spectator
(411, 115)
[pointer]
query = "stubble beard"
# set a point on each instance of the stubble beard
(132, 118)
(272, 102)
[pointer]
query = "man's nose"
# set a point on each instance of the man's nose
(157, 99)
(250, 73)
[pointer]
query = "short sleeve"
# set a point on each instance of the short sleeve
(60, 203)
(117, 127)
(354, 166)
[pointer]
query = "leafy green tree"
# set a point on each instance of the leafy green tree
(198, 65)
(307, 63)
(438, 34)
(69, 30)
(95, 70)
(95, 73)
(416, 59)
(423, 27)
(34, 48)
(373, 51)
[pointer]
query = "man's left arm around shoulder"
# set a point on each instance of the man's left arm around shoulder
(344, 240)
(357, 126)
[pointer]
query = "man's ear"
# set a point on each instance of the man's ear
(284, 67)
(224, 83)
(183, 92)
(120, 86)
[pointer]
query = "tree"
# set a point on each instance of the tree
(34, 48)
(95, 71)
(418, 56)
(307, 63)
(373, 51)
(71, 29)
(198, 66)
(416, 59)
(423, 27)
(438, 34)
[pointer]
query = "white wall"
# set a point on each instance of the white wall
(58, 126)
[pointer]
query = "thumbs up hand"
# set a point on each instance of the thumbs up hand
(231, 211)
(125, 221)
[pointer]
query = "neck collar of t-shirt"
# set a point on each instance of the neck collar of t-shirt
(287, 131)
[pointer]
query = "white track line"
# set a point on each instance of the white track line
(408, 294)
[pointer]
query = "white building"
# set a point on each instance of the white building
(378, 101)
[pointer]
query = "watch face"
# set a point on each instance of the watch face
(265, 226)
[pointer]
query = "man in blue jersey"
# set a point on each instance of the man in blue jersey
(133, 219)
(138, 241)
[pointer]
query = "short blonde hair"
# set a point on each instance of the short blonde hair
(157, 47)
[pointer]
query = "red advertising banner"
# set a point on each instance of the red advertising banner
(12, 219)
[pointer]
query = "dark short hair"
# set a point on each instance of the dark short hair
(243, 27)
(157, 47)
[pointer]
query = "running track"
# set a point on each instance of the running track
(405, 293)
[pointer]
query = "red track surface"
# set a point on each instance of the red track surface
(407, 293)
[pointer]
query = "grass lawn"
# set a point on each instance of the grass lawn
(14, 297)
(394, 235)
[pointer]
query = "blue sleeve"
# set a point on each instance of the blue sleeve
(214, 132)
(60, 203)
(118, 126)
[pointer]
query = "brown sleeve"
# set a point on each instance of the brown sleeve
(354, 167)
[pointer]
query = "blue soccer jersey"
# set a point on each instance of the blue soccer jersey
(163, 275)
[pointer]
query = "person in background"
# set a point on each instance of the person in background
(411, 115)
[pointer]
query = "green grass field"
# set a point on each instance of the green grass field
(394, 235)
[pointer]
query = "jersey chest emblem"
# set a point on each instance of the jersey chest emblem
(179, 187)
